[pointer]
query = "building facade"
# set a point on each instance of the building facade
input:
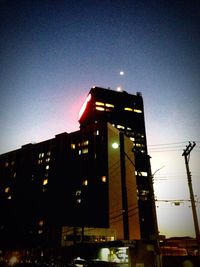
(126, 112)
(92, 185)
(75, 187)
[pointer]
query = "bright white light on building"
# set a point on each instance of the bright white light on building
(115, 145)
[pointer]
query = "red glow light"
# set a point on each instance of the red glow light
(84, 106)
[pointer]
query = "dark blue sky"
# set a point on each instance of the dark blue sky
(53, 52)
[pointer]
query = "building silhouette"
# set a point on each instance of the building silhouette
(92, 185)
(126, 113)
(67, 183)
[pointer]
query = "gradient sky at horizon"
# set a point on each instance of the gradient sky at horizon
(53, 52)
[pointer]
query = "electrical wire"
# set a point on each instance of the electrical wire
(170, 147)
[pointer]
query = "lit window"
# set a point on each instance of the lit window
(7, 189)
(47, 167)
(128, 128)
(144, 173)
(109, 105)
(41, 223)
(103, 178)
(6, 164)
(73, 146)
(128, 109)
(47, 159)
(85, 182)
(120, 127)
(132, 139)
(144, 192)
(97, 132)
(99, 103)
(139, 145)
(9, 197)
(39, 161)
(141, 173)
(85, 143)
(138, 110)
(79, 152)
(100, 108)
(41, 155)
(12, 163)
(48, 153)
(78, 196)
(40, 232)
(45, 181)
(14, 174)
(85, 150)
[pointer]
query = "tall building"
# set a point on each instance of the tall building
(126, 113)
(92, 185)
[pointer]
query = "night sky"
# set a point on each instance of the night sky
(53, 52)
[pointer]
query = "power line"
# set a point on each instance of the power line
(167, 144)
(167, 150)
(175, 200)
(169, 147)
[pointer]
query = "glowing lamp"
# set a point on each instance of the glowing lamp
(115, 145)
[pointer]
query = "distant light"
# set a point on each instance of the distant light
(115, 145)
(13, 260)
(119, 89)
(121, 73)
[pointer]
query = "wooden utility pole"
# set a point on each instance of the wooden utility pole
(186, 154)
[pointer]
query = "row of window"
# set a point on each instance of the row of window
(42, 154)
(7, 163)
(108, 107)
(103, 179)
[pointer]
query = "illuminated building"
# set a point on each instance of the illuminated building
(67, 188)
(92, 186)
(126, 113)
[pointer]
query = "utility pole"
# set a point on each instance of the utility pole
(186, 154)
(159, 262)
(124, 189)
